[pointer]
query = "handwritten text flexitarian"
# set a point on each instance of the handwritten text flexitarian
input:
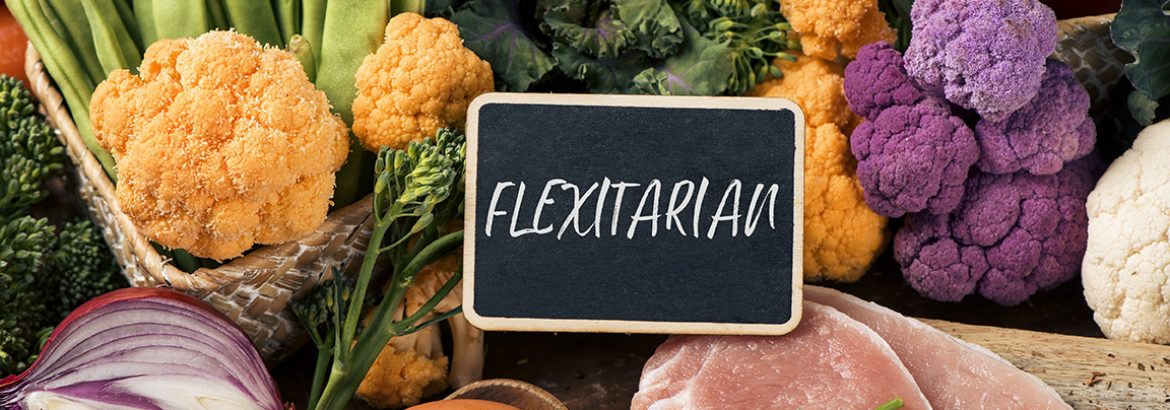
(682, 207)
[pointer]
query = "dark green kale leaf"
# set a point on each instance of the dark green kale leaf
(492, 30)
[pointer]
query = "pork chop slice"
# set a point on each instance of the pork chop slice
(828, 362)
(952, 373)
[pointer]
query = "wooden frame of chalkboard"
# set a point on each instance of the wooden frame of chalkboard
(514, 323)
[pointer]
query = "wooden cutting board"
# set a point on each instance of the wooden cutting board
(1088, 373)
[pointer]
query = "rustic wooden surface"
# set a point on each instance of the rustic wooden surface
(1089, 373)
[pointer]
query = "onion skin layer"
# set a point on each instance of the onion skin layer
(14, 393)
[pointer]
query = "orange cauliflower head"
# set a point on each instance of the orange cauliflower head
(421, 79)
(221, 143)
(842, 236)
(829, 28)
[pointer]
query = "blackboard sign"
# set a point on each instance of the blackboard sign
(634, 214)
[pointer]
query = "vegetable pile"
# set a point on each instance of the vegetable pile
(144, 348)
(842, 237)
(677, 47)
(983, 143)
(45, 270)
(418, 194)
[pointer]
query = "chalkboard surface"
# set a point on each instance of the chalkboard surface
(634, 214)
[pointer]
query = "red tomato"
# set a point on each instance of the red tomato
(12, 46)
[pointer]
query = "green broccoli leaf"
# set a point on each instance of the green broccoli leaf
(654, 24)
(493, 31)
(702, 67)
(1141, 28)
(588, 26)
(601, 75)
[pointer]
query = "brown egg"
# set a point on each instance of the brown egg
(463, 404)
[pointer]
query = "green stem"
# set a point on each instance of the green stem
(354, 313)
(434, 300)
(324, 356)
(347, 374)
(441, 317)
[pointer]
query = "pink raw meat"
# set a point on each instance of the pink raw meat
(829, 362)
(952, 373)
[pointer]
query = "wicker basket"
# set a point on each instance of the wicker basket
(252, 290)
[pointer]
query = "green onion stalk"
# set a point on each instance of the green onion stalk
(418, 192)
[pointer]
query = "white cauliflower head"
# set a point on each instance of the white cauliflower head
(1127, 263)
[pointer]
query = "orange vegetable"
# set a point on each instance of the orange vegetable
(12, 46)
(463, 404)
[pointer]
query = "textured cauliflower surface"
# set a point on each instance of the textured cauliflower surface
(220, 144)
(1013, 235)
(1052, 129)
(877, 80)
(421, 79)
(914, 158)
(829, 28)
(1126, 270)
(401, 378)
(985, 55)
(841, 235)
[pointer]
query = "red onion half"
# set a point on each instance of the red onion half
(144, 348)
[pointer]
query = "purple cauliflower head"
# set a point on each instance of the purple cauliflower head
(914, 158)
(877, 80)
(1052, 129)
(983, 55)
(1013, 235)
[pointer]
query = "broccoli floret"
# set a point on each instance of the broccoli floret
(83, 267)
(24, 243)
(29, 152)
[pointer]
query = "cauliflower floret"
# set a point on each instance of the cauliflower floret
(914, 158)
(1126, 270)
(984, 55)
(1013, 235)
(877, 80)
(221, 144)
(842, 236)
(403, 377)
(421, 79)
(1054, 128)
(829, 28)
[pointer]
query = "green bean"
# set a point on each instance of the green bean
(407, 6)
(255, 18)
(115, 48)
(353, 29)
(313, 24)
(144, 15)
(68, 72)
(68, 18)
(181, 18)
(219, 18)
(127, 15)
(303, 51)
(288, 15)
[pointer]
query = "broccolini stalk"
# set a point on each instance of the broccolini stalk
(418, 192)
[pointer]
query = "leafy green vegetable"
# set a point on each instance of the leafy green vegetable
(1141, 28)
(654, 25)
(588, 26)
(418, 192)
(601, 75)
(492, 31)
(703, 67)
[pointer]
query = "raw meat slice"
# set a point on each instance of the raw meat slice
(829, 362)
(952, 373)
